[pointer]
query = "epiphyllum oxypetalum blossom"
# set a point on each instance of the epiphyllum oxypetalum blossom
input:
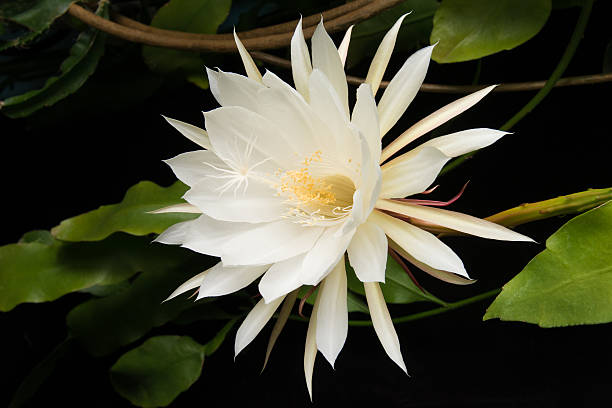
(291, 179)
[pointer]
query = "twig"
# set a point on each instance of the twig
(257, 32)
(224, 45)
(459, 89)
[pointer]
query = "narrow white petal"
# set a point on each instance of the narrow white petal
(383, 324)
(332, 316)
(422, 245)
(324, 255)
(253, 323)
(368, 253)
(466, 141)
(178, 208)
(436, 273)
(193, 133)
(412, 172)
(193, 167)
(434, 120)
(344, 45)
(192, 283)
(222, 280)
(365, 118)
(301, 66)
(403, 88)
(230, 89)
(453, 220)
(281, 320)
(249, 65)
(383, 55)
(326, 59)
(281, 278)
(310, 350)
(269, 243)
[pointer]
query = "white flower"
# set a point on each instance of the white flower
(291, 179)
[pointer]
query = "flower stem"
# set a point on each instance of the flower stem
(433, 312)
(524, 213)
(570, 50)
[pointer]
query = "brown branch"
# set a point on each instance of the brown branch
(257, 32)
(459, 89)
(224, 45)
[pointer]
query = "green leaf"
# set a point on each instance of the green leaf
(398, 287)
(102, 325)
(155, 373)
(74, 71)
(40, 269)
(194, 16)
(130, 215)
(356, 304)
(570, 282)
(470, 29)
(414, 33)
(36, 15)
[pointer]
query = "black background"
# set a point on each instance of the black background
(55, 166)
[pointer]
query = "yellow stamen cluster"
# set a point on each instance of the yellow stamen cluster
(302, 187)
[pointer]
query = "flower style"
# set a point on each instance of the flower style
(290, 180)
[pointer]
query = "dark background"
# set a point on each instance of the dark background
(64, 162)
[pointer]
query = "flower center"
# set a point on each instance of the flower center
(313, 195)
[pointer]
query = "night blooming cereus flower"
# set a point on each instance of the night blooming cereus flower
(291, 179)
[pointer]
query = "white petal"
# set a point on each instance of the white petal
(300, 61)
(249, 65)
(332, 316)
(325, 254)
(253, 323)
(368, 253)
(436, 273)
(282, 318)
(289, 112)
(231, 89)
(340, 143)
(434, 120)
(193, 133)
(269, 243)
(192, 283)
(453, 220)
(344, 45)
(325, 58)
(204, 234)
(458, 143)
(223, 280)
(365, 118)
(422, 245)
(193, 167)
(383, 324)
(255, 201)
(412, 172)
(281, 278)
(244, 138)
(383, 55)
(403, 88)
(310, 350)
(178, 208)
